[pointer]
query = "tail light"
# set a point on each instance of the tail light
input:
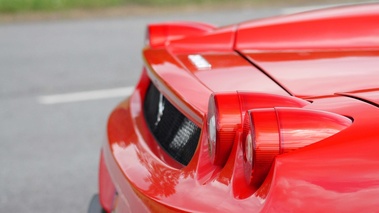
(272, 131)
(226, 114)
(224, 117)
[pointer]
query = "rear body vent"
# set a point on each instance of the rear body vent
(175, 133)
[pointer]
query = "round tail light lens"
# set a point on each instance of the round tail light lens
(223, 118)
(281, 130)
(226, 113)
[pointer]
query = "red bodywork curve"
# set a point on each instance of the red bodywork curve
(342, 28)
(337, 75)
(317, 53)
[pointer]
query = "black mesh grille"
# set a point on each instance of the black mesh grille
(173, 131)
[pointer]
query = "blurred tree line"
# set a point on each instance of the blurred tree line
(51, 5)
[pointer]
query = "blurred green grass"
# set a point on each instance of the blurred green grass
(16, 6)
(9, 6)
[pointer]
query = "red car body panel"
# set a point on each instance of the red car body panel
(331, 29)
(336, 72)
(320, 73)
(317, 53)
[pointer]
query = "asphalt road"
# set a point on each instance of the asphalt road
(49, 152)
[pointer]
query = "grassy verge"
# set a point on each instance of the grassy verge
(50, 5)
(35, 10)
(13, 6)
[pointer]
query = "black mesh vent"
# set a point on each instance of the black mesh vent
(173, 131)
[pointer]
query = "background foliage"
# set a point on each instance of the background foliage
(13, 6)
(51, 5)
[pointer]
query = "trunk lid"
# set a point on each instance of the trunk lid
(316, 53)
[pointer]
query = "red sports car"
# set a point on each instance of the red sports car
(271, 115)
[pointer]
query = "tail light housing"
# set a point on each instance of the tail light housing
(225, 117)
(269, 132)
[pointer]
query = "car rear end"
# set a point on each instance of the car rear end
(210, 129)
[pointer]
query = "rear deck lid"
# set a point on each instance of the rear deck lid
(317, 53)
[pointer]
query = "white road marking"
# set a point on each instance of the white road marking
(85, 96)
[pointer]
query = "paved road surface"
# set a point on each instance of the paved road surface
(49, 152)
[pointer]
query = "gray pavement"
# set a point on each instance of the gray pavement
(49, 153)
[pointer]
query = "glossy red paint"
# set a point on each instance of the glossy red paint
(369, 96)
(343, 28)
(279, 130)
(311, 73)
(333, 172)
(227, 65)
(140, 172)
(158, 35)
(226, 113)
(180, 87)
(159, 185)
(316, 53)
(340, 172)
(224, 118)
(220, 40)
